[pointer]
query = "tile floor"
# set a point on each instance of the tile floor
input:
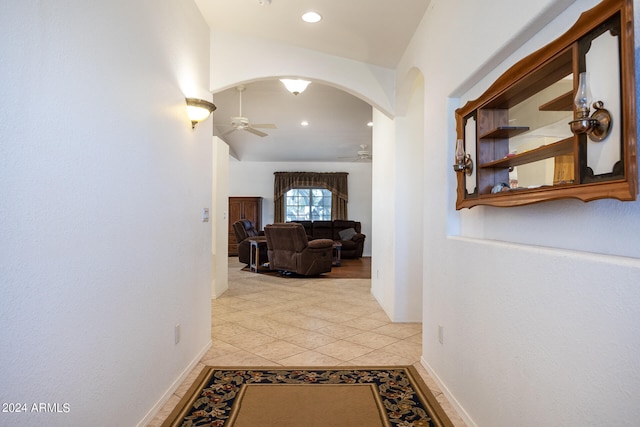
(266, 320)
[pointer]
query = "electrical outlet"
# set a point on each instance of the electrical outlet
(176, 333)
(441, 334)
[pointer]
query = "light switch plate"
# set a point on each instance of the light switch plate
(205, 215)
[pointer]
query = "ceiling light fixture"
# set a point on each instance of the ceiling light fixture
(295, 86)
(304, 123)
(198, 110)
(312, 17)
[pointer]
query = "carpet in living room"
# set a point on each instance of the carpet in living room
(357, 268)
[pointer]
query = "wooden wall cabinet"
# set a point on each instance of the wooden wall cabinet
(517, 133)
(243, 208)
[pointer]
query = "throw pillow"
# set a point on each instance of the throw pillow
(347, 234)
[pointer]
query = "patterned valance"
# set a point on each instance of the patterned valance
(336, 182)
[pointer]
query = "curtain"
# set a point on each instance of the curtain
(336, 182)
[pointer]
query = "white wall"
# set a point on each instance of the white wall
(219, 216)
(409, 206)
(103, 182)
(256, 179)
(384, 202)
(532, 335)
(398, 199)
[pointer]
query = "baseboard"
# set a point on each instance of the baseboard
(391, 316)
(381, 304)
(165, 397)
(456, 405)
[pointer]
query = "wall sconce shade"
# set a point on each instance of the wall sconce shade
(295, 86)
(598, 125)
(198, 110)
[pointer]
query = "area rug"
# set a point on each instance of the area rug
(359, 268)
(392, 396)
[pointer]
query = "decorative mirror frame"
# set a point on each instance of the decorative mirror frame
(565, 52)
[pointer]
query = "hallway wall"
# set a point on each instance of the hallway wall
(538, 304)
(103, 184)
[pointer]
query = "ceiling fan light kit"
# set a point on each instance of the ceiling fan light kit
(240, 122)
(364, 154)
(361, 155)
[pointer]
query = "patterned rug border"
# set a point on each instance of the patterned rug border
(438, 417)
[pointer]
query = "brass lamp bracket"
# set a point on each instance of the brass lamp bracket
(597, 127)
(466, 165)
(602, 122)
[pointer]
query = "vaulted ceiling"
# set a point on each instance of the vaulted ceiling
(376, 32)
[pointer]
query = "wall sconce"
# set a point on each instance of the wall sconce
(198, 110)
(294, 86)
(463, 161)
(597, 126)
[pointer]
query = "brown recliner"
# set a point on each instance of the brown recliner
(290, 250)
(245, 231)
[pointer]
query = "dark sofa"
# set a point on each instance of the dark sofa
(352, 239)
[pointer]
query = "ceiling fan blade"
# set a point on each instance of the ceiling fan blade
(255, 131)
(265, 126)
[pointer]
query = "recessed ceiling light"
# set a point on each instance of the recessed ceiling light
(304, 123)
(311, 17)
(370, 124)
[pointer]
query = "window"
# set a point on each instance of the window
(308, 204)
(333, 182)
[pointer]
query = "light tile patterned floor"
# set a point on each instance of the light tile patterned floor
(266, 320)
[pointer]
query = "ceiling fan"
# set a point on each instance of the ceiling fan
(362, 155)
(242, 123)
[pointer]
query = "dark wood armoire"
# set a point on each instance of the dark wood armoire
(243, 208)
